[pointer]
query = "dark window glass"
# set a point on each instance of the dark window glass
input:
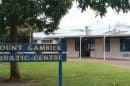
(89, 44)
(107, 44)
(77, 44)
(92, 44)
(124, 44)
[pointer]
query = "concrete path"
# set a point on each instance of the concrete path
(123, 63)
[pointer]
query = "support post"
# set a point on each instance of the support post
(60, 67)
(104, 51)
(60, 73)
(80, 47)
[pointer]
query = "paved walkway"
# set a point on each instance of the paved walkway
(123, 63)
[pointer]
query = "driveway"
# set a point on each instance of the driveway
(123, 63)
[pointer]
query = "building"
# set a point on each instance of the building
(112, 44)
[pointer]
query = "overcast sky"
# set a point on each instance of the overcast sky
(74, 19)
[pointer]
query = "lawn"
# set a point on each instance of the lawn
(74, 74)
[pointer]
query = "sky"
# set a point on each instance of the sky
(75, 19)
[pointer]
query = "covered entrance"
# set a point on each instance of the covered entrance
(85, 48)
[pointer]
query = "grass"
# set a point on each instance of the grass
(74, 74)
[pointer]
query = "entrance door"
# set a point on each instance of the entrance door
(85, 52)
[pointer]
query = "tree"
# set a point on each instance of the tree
(46, 15)
(43, 14)
(100, 6)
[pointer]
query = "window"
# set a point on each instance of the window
(107, 44)
(124, 44)
(88, 44)
(77, 45)
(92, 44)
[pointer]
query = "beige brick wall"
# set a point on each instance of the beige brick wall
(114, 50)
(71, 48)
(98, 52)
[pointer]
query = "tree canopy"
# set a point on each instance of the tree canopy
(43, 14)
(100, 6)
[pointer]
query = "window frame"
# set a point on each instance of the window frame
(107, 44)
(124, 45)
(77, 44)
(92, 44)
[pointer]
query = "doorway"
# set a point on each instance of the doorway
(85, 52)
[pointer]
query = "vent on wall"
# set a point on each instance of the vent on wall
(126, 55)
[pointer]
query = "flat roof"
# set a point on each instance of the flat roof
(72, 34)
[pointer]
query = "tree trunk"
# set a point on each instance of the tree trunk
(14, 68)
(14, 72)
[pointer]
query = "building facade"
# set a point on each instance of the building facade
(114, 46)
